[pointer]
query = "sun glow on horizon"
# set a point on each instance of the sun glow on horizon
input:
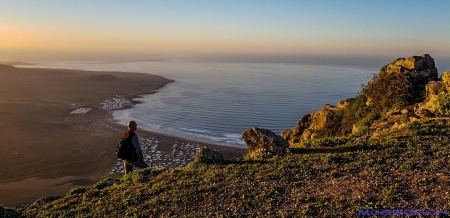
(77, 29)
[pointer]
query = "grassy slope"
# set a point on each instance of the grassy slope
(407, 170)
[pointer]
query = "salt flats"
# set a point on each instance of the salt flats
(115, 103)
(180, 154)
(81, 111)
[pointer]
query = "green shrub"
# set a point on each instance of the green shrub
(443, 104)
(360, 115)
(384, 91)
(416, 125)
(8, 212)
(391, 194)
(76, 191)
(103, 183)
(383, 69)
(323, 142)
(259, 154)
(393, 90)
(140, 175)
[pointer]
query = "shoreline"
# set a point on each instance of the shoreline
(134, 102)
(57, 150)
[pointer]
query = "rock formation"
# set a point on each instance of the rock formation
(434, 90)
(310, 124)
(264, 141)
(206, 155)
(419, 71)
(423, 65)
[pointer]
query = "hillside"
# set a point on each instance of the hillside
(384, 151)
(400, 171)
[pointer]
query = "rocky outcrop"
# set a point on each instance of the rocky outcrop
(433, 88)
(304, 121)
(319, 119)
(206, 155)
(445, 78)
(310, 124)
(423, 65)
(264, 141)
(418, 75)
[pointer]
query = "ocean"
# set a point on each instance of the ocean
(214, 102)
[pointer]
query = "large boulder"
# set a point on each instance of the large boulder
(423, 65)
(320, 118)
(310, 125)
(206, 155)
(264, 141)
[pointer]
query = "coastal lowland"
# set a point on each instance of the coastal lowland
(383, 152)
(58, 132)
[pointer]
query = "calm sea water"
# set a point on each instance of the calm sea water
(215, 102)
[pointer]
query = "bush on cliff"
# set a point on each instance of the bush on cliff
(388, 90)
(357, 113)
(383, 92)
(443, 104)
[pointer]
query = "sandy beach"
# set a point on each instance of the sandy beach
(57, 130)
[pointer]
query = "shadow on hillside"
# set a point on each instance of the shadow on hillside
(241, 161)
(361, 147)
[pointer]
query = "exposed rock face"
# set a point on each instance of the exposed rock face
(423, 65)
(433, 88)
(264, 140)
(304, 121)
(206, 155)
(445, 78)
(286, 134)
(320, 118)
(310, 124)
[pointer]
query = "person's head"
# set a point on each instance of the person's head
(132, 125)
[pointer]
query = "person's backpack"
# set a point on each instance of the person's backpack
(125, 149)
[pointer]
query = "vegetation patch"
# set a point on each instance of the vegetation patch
(76, 191)
(443, 104)
(8, 212)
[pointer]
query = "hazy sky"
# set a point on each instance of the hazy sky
(104, 28)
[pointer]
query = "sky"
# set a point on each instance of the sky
(100, 29)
